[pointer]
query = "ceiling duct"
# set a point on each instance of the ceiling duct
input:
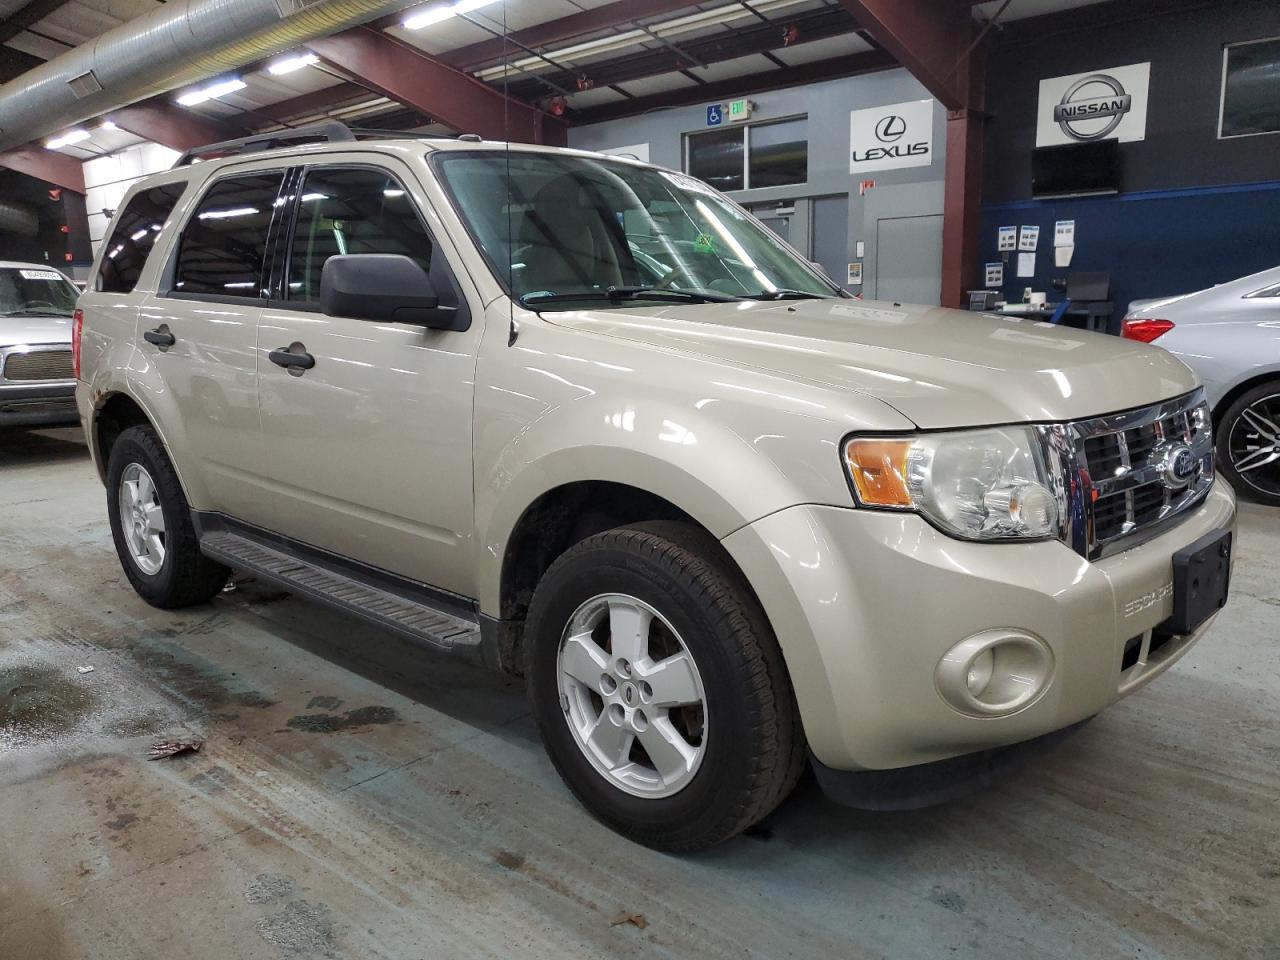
(18, 218)
(182, 42)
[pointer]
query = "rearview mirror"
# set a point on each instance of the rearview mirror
(386, 287)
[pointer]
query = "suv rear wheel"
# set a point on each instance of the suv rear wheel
(659, 689)
(1249, 443)
(151, 525)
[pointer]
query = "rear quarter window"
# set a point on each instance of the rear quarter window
(134, 235)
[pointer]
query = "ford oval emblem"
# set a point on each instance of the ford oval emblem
(1178, 466)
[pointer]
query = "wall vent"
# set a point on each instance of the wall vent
(84, 85)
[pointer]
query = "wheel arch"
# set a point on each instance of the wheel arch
(1240, 389)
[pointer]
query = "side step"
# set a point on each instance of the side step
(448, 632)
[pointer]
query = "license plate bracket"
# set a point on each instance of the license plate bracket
(1201, 579)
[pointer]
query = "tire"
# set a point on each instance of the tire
(746, 734)
(1246, 430)
(182, 576)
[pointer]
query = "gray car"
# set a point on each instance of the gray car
(1230, 336)
(37, 379)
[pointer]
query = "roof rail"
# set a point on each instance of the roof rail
(318, 133)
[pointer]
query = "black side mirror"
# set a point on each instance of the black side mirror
(383, 287)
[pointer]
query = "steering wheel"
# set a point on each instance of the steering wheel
(679, 270)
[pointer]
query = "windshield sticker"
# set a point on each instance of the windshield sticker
(868, 313)
(705, 243)
(40, 275)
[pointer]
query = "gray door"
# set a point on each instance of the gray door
(909, 259)
(831, 236)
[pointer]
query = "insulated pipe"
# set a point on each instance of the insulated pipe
(181, 42)
(18, 218)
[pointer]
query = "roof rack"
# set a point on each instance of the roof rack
(317, 133)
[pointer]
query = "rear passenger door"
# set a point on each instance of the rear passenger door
(200, 331)
(369, 450)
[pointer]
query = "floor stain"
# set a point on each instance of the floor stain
(270, 887)
(301, 928)
(123, 822)
(338, 722)
(324, 703)
(37, 702)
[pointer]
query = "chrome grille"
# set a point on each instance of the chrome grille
(38, 365)
(1126, 475)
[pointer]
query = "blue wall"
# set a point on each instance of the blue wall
(1157, 243)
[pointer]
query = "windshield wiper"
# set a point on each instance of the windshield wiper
(615, 294)
(788, 295)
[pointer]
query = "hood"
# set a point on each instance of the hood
(19, 331)
(938, 367)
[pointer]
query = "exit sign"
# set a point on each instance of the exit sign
(739, 110)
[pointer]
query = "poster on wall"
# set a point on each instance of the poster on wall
(995, 274)
(1108, 104)
(1029, 237)
(1007, 238)
(1064, 233)
(855, 275)
(890, 137)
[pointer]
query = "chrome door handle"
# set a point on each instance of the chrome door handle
(160, 337)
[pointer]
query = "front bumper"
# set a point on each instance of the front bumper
(38, 404)
(865, 604)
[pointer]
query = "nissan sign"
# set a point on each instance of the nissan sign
(1099, 105)
(885, 138)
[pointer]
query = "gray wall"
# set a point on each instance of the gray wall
(828, 106)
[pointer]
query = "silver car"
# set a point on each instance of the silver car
(1230, 336)
(37, 378)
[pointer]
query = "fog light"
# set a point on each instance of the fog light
(995, 673)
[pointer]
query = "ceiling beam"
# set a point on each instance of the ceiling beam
(47, 165)
(160, 122)
(816, 72)
(931, 38)
(305, 105)
(14, 63)
(405, 74)
(28, 16)
(617, 14)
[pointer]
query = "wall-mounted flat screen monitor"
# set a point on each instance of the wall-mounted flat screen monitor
(1076, 169)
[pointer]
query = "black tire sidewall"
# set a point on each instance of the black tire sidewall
(725, 767)
(1226, 426)
(128, 449)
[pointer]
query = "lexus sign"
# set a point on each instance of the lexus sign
(889, 137)
(1101, 105)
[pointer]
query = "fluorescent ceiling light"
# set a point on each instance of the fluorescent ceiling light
(290, 64)
(68, 138)
(225, 214)
(211, 92)
(107, 125)
(441, 13)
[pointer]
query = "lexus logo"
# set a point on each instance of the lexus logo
(1090, 100)
(890, 129)
(1177, 465)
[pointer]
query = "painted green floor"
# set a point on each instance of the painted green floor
(357, 799)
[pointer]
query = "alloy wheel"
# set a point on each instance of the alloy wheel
(142, 519)
(632, 696)
(1254, 445)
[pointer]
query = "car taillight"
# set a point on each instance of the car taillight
(77, 328)
(1144, 330)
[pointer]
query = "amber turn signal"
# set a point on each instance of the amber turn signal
(878, 468)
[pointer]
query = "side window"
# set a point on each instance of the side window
(351, 210)
(134, 235)
(225, 242)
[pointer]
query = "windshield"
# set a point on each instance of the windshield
(561, 229)
(35, 291)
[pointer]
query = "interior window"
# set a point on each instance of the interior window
(134, 235)
(224, 245)
(348, 211)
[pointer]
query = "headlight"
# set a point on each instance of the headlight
(976, 485)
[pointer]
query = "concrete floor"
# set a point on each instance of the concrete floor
(357, 799)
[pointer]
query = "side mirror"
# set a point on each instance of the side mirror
(383, 287)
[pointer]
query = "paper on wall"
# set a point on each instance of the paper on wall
(1064, 233)
(995, 274)
(1029, 237)
(1026, 264)
(1007, 238)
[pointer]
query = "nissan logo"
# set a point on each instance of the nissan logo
(1092, 98)
(1177, 465)
(890, 129)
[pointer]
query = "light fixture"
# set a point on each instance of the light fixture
(211, 92)
(444, 12)
(68, 138)
(107, 125)
(290, 64)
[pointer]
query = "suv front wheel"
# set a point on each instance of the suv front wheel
(659, 688)
(151, 525)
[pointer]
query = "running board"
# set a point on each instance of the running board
(416, 619)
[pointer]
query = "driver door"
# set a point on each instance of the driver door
(369, 450)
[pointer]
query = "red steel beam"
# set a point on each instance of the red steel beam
(815, 72)
(928, 37)
(47, 165)
(156, 120)
(619, 13)
(403, 73)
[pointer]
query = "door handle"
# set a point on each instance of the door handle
(160, 337)
(293, 358)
